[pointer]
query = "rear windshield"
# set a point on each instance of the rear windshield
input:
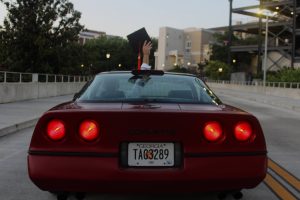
(168, 88)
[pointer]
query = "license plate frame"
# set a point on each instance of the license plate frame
(151, 154)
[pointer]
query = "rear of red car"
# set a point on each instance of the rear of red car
(148, 148)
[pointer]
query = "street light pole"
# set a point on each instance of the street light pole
(266, 50)
(229, 33)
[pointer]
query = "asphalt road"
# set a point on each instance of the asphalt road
(282, 131)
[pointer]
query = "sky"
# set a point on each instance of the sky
(121, 17)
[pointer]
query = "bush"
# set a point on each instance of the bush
(212, 70)
(179, 69)
(284, 75)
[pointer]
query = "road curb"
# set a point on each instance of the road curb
(17, 127)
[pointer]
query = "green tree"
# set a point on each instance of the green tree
(38, 35)
(219, 47)
(220, 50)
(3, 49)
(122, 57)
(95, 51)
(217, 70)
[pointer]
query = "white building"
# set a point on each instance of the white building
(86, 35)
(185, 48)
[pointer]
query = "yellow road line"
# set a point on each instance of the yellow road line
(278, 189)
(292, 180)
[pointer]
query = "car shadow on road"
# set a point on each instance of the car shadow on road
(207, 196)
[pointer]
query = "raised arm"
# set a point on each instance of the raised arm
(146, 52)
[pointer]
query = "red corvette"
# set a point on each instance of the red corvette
(146, 132)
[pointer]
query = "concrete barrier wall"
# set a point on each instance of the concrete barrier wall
(12, 92)
(280, 92)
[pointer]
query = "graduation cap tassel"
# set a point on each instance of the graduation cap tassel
(139, 60)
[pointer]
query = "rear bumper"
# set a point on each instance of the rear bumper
(99, 174)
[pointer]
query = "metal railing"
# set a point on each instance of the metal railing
(19, 77)
(292, 85)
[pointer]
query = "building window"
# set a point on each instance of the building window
(188, 45)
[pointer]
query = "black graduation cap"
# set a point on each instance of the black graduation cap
(137, 39)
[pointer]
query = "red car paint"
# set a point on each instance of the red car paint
(73, 164)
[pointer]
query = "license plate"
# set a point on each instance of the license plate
(151, 154)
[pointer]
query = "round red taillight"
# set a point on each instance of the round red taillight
(56, 130)
(213, 131)
(89, 130)
(243, 131)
